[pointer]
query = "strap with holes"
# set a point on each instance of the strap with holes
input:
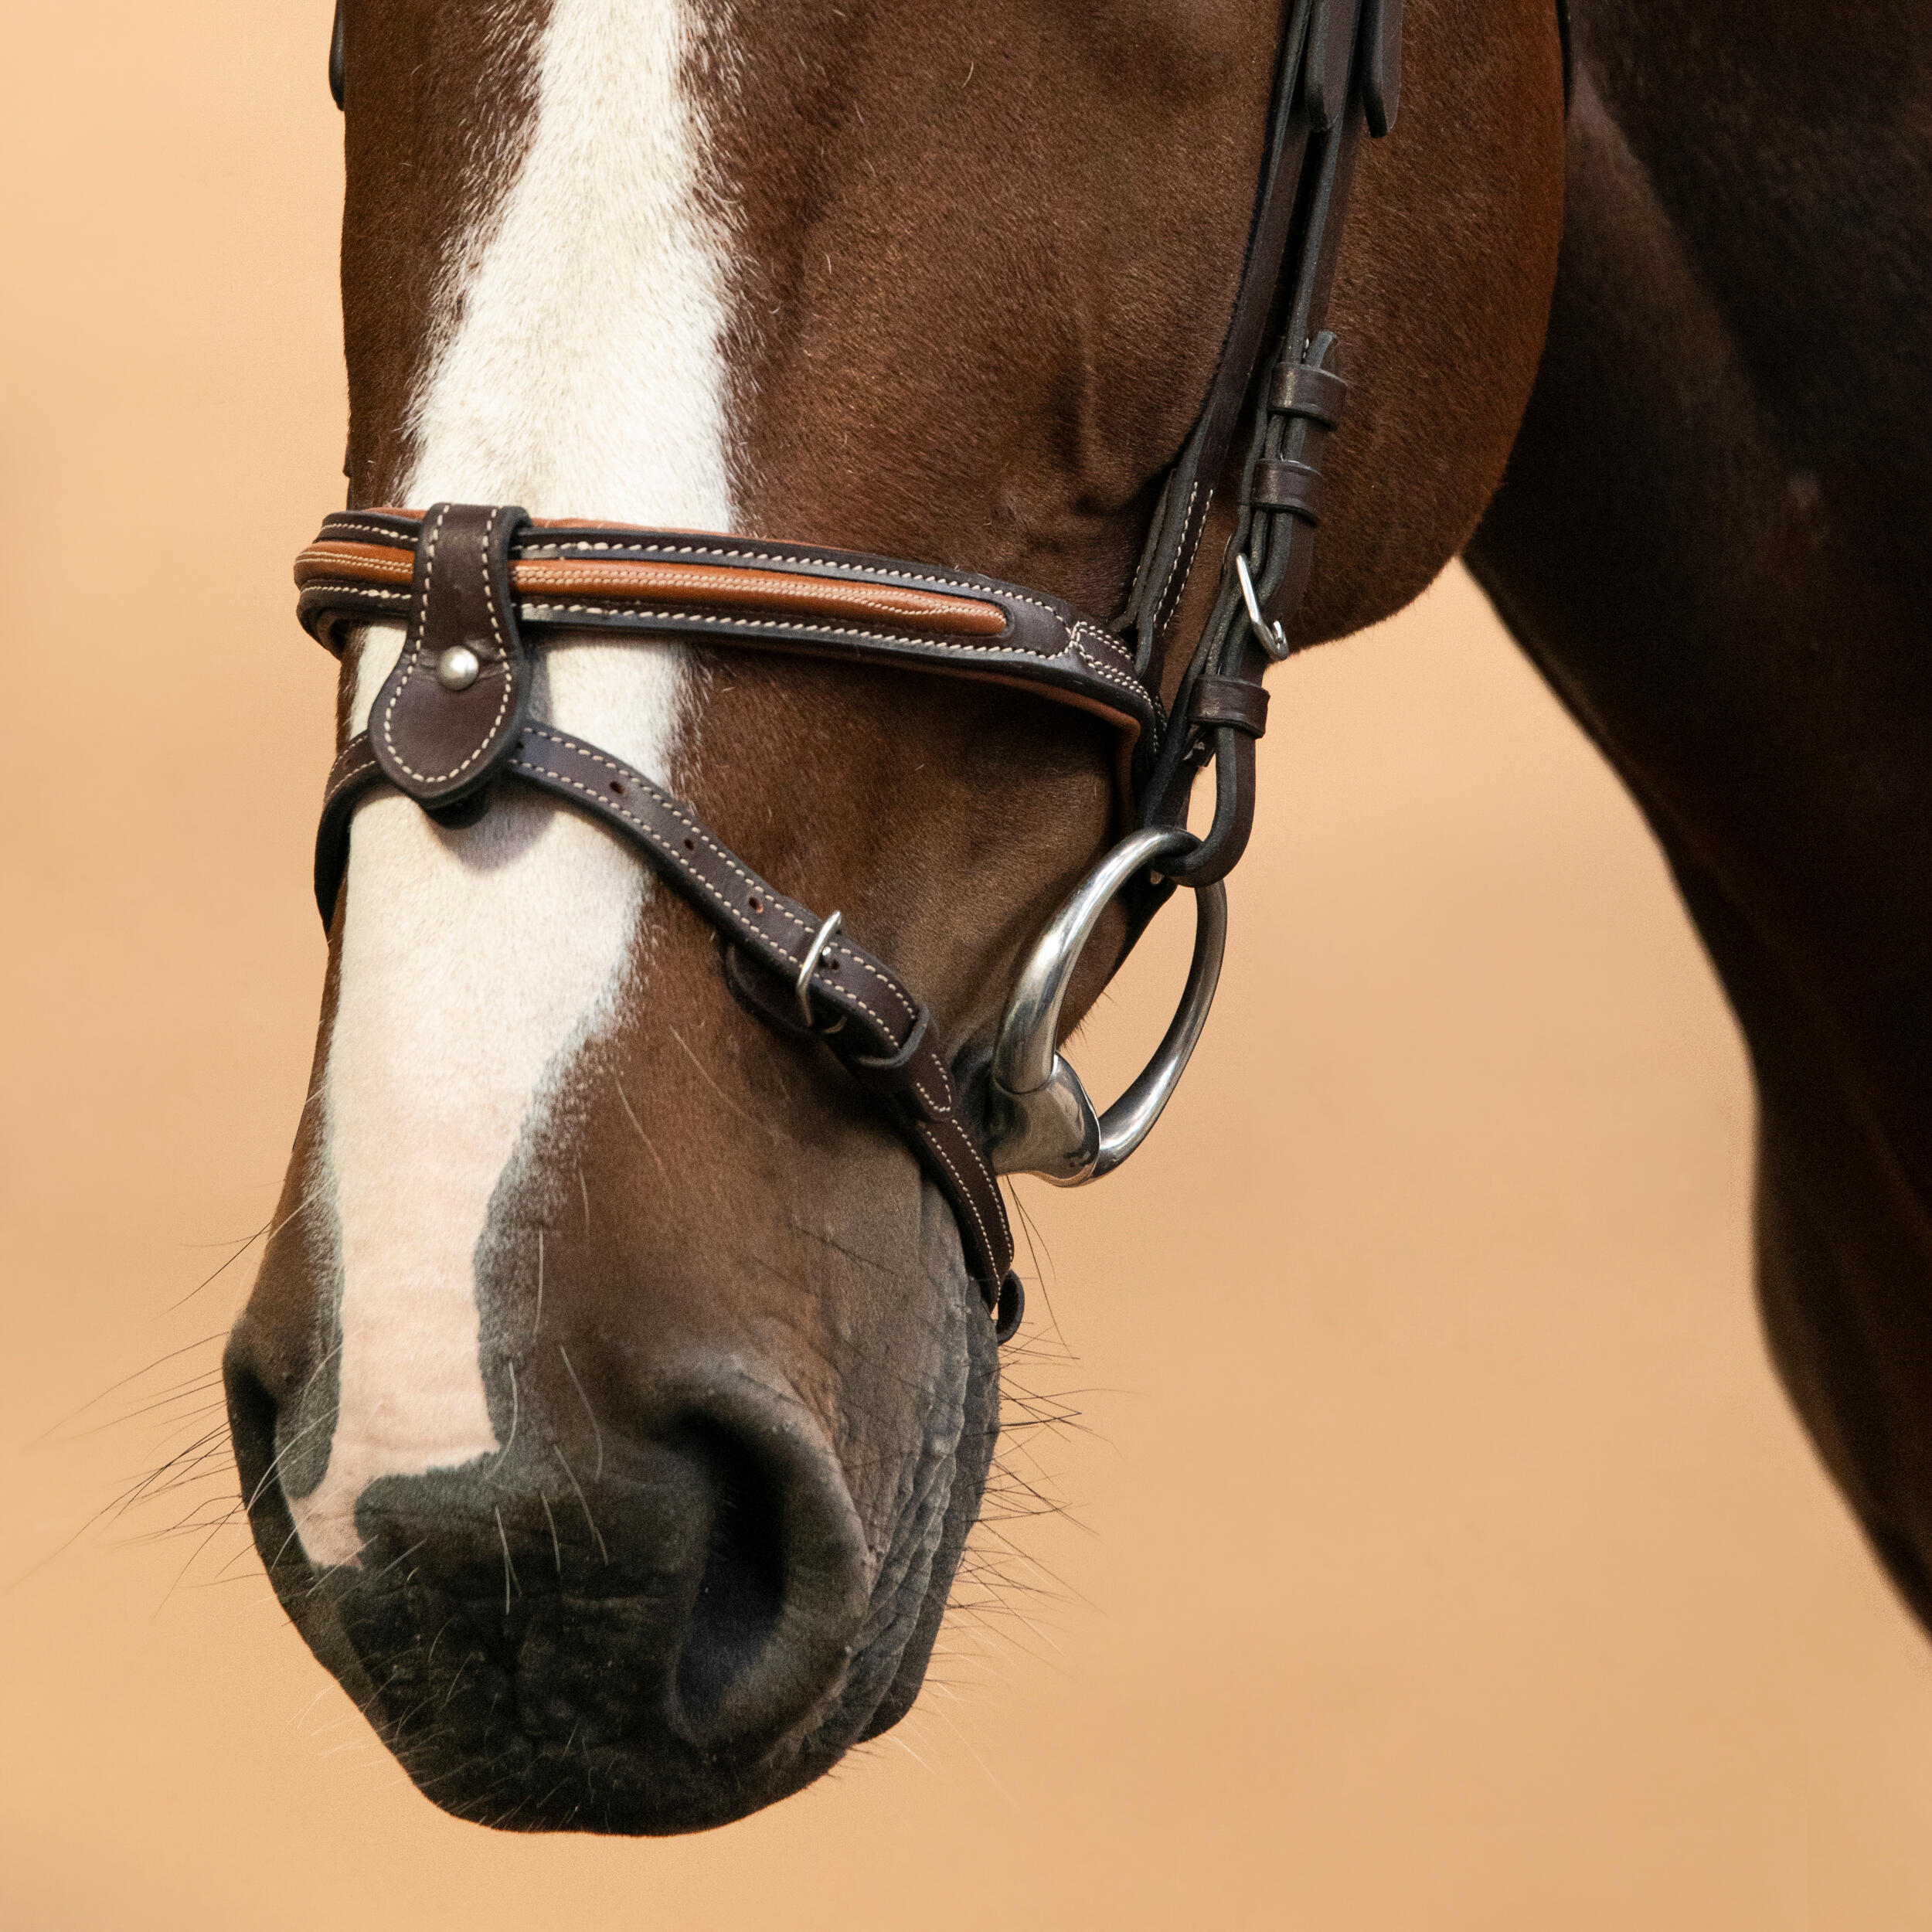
(876, 1028)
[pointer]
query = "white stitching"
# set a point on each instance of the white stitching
(560, 550)
(1099, 665)
(691, 577)
(729, 858)
(1082, 631)
(351, 587)
(560, 612)
(360, 769)
(557, 550)
(323, 551)
(421, 659)
(1170, 590)
(965, 1194)
(331, 526)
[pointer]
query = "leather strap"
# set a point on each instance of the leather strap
(1231, 703)
(1283, 483)
(733, 590)
(443, 721)
(727, 592)
(873, 1024)
(1346, 77)
(736, 593)
(1298, 389)
(1181, 520)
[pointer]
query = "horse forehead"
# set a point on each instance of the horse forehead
(535, 255)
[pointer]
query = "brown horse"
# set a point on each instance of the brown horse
(615, 1402)
(1716, 540)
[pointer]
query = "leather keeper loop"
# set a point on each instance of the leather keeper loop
(898, 1076)
(1296, 389)
(1291, 486)
(1230, 702)
(446, 718)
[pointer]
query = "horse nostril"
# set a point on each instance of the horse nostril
(742, 1595)
(254, 1413)
(787, 1573)
(251, 1421)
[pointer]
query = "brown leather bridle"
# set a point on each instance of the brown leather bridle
(473, 583)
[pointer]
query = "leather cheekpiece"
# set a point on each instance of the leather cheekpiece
(441, 738)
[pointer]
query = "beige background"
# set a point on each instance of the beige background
(1442, 1555)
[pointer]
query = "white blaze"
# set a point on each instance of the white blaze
(582, 374)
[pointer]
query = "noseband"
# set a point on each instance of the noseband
(479, 587)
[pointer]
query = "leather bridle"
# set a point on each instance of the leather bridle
(478, 588)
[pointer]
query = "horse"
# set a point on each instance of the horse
(1711, 539)
(618, 1392)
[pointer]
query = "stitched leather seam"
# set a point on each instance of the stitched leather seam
(860, 573)
(333, 527)
(558, 552)
(560, 548)
(553, 612)
(988, 1245)
(1168, 590)
(360, 769)
(1094, 666)
(421, 659)
(1098, 666)
(350, 587)
(861, 595)
(879, 973)
(728, 858)
(691, 578)
(1077, 636)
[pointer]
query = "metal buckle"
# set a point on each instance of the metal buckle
(802, 986)
(1269, 635)
(1042, 1121)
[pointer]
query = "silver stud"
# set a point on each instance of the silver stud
(457, 669)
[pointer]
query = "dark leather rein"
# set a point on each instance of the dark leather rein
(478, 587)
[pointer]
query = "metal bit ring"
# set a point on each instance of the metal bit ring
(1042, 1121)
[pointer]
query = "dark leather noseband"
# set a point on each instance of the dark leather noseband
(478, 577)
(477, 587)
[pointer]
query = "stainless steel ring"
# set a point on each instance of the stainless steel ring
(1042, 1121)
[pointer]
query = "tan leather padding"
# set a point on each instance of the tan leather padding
(708, 586)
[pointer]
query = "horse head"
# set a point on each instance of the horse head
(618, 1390)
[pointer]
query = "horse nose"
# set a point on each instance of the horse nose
(699, 1585)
